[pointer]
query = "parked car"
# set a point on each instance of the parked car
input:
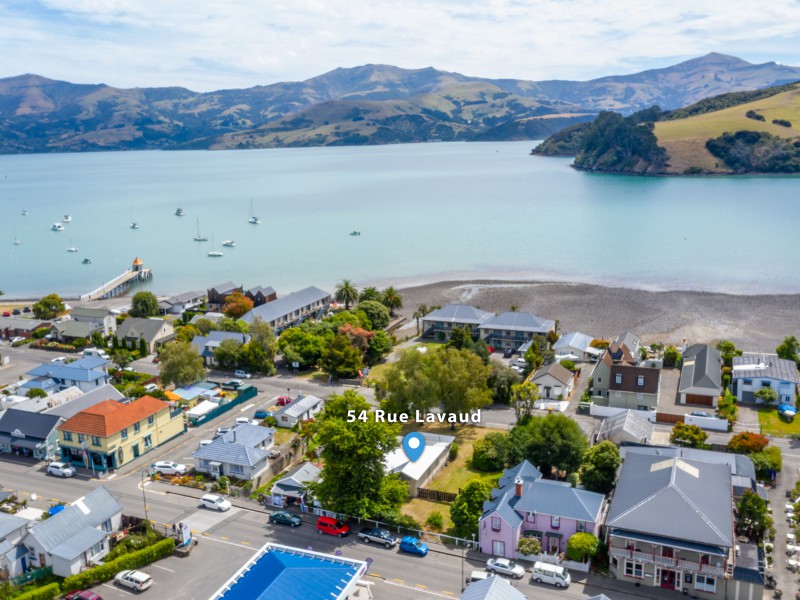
(232, 384)
(59, 360)
(150, 387)
(285, 518)
(60, 469)
(508, 352)
(246, 421)
(166, 467)
(135, 580)
(205, 443)
(241, 374)
(6, 314)
(262, 414)
(16, 339)
(378, 535)
(478, 576)
(412, 545)
(518, 369)
(16, 311)
(82, 595)
(283, 400)
(505, 567)
(702, 413)
(222, 431)
(332, 526)
(521, 362)
(27, 309)
(216, 502)
(553, 574)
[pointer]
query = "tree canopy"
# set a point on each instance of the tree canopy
(523, 397)
(747, 442)
(752, 518)
(553, 442)
(599, 467)
(691, 436)
(180, 364)
(49, 307)
(467, 508)
(789, 349)
(377, 313)
(144, 305)
(346, 293)
(237, 305)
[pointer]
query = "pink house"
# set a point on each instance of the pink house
(526, 505)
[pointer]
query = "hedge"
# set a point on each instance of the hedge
(47, 592)
(105, 572)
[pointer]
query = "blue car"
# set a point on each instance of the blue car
(412, 545)
(262, 414)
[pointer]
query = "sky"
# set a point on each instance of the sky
(207, 45)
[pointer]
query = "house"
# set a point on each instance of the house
(440, 322)
(575, 346)
(13, 554)
(293, 308)
(618, 380)
(701, 376)
(101, 316)
(492, 588)
(512, 329)
(39, 405)
(292, 487)
(241, 453)
(207, 344)
(629, 426)
(69, 408)
(11, 327)
(76, 537)
(23, 432)
(417, 473)
(526, 505)
(554, 382)
(68, 331)
(751, 372)
(110, 434)
(217, 294)
(214, 317)
(630, 341)
(302, 408)
(261, 295)
(670, 525)
(86, 374)
(177, 305)
(155, 332)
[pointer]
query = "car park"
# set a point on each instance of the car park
(60, 469)
(215, 502)
(505, 567)
(166, 467)
(135, 580)
(378, 535)
(412, 545)
(332, 526)
(283, 400)
(285, 518)
(82, 595)
(241, 374)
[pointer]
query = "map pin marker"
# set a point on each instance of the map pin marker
(413, 445)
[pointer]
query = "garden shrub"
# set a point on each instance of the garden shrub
(453, 451)
(435, 521)
(47, 592)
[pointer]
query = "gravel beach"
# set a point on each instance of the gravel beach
(754, 322)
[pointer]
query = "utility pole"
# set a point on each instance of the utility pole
(144, 499)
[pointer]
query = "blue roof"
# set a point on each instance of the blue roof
(282, 572)
(70, 371)
(89, 362)
(206, 344)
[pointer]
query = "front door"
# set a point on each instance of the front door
(135, 450)
(498, 548)
(667, 579)
(552, 545)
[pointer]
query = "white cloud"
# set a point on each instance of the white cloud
(208, 45)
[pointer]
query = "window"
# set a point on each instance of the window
(81, 438)
(495, 523)
(237, 469)
(95, 440)
(599, 380)
(148, 440)
(124, 433)
(766, 384)
(618, 378)
(151, 421)
(634, 569)
(747, 381)
(555, 522)
(640, 380)
(107, 526)
(580, 526)
(136, 427)
(532, 517)
(67, 436)
(705, 583)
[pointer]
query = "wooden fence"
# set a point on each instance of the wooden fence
(435, 495)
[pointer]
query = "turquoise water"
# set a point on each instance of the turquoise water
(425, 211)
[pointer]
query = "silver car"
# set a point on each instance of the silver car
(60, 469)
(503, 566)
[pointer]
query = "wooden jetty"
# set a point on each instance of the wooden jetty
(121, 282)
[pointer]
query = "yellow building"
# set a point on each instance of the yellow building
(111, 434)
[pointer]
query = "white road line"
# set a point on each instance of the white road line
(160, 567)
(249, 406)
(208, 538)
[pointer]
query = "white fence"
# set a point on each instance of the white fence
(610, 411)
(711, 423)
(554, 559)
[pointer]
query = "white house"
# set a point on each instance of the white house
(86, 374)
(292, 487)
(417, 473)
(13, 554)
(554, 382)
(101, 317)
(302, 408)
(751, 372)
(242, 453)
(575, 346)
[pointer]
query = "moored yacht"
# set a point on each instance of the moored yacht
(179, 212)
(229, 243)
(67, 219)
(56, 227)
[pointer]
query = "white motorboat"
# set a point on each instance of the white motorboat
(134, 225)
(67, 219)
(24, 212)
(179, 212)
(56, 227)
(229, 243)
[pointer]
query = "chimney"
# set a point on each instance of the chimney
(518, 487)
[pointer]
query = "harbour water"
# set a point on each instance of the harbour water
(425, 212)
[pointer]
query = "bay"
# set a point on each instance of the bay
(425, 212)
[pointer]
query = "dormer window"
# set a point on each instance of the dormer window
(618, 378)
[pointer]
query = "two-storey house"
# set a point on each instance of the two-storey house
(111, 434)
(619, 381)
(751, 372)
(217, 294)
(154, 331)
(102, 317)
(29, 433)
(513, 329)
(261, 295)
(439, 323)
(206, 345)
(291, 309)
(86, 374)
(177, 305)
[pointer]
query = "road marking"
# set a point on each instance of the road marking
(160, 567)
(110, 477)
(418, 590)
(375, 575)
(448, 593)
(222, 537)
(249, 406)
(398, 580)
(419, 585)
(208, 537)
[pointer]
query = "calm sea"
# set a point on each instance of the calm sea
(425, 211)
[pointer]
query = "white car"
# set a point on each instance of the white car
(518, 369)
(216, 502)
(59, 360)
(135, 580)
(60, 469)
(241, 374)
(14, 340)
(246, 421)
(205, 443)
(505, 567)
(165, 467)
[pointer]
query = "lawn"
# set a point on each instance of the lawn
(282, 435)
(773, 424)
(420, 509)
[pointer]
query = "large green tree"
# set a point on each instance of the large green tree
(121, 357)
(409, 383)
(144, 305)
(353, 478)
(392, 299)
(180, 364)
(346, 293)
(302, 346)
(379, 345)
(467, 508)
(554, 442)
(376, 312)
(599, 467)
(48, 307)
(461, 380)
(789, 349)
(728, 350)
(582, 546)
(370, 293)
(500, 381)
(767, 395)
(228, 355)
(263, 336)
(688, 435)
(237, 305)
(341, 359)
(523, 397)
(752, 518)
(767, 461)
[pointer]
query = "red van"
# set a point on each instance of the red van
(332, 526)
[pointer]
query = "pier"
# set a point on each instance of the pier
(121, 282)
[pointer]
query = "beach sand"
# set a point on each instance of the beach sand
(755, 323)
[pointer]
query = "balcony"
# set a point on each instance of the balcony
(667, 561)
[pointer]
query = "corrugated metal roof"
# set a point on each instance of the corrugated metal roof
(554, 498)
(632, 423)
(299, 406)
(492, 588)
(701, 371)
(10, 524)
(282, 307)
(87, 400)
(71, 372)
(764, 365)
(32, 425)
(519, 321)
(458, 313)
(575, 339)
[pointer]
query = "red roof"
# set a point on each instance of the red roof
(108, 417)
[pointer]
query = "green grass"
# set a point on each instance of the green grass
(282, 435)
(773, 424)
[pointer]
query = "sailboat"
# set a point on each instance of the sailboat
(134, 224)
(16, 239)
(198, 237)
(214, 253)
(254, 220)
(56, 227)
(71, 247)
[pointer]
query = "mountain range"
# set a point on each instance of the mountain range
(370, 104)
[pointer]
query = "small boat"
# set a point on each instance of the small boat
(24, 212)
(179, 212)
(134, 225)
(56, 227)
(254, 220)
(67, 219)
(71, 247)
(16, 239)
(214, 253)
(198, 237)
(229, 243)
(355, 233)
(86, 261)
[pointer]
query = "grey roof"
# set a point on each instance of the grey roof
(458, 313)
(76, 371)
(764, 365)
(92, 313)
(748, 564)
(9, 524)
(30, 424)
(492, 588)
(559, 499)
(282, 307)
(675, 498)
(23, 323)
(503, 501)
(205, 344)
(223, 288)
(701, 371)
(632, 423)
(631, 341)
(184, 297)
(739, 464)
(556, 371)
(77, 544)
(148, 329)
(89, 512)
(524, 470)
(519, 321)
(77, 329)
(211, 316)
(575, 339)
(73, 407)
(267, 291)
(89, 362)
(296, 479)
(599, 597)
(238, 446)
(300, 405)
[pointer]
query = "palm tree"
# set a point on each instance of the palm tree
(369, 293)
(392, 299)
(421, 311)
(346, 292)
